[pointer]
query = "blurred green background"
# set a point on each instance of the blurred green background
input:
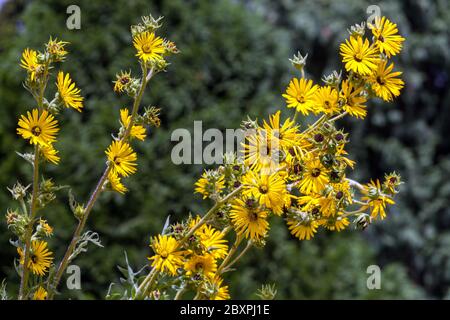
(234, 62)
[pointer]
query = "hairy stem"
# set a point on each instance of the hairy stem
(227, 267)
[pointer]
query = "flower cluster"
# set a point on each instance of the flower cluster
(40, 127)
(299, 175)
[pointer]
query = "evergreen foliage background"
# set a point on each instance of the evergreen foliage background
(233, 62)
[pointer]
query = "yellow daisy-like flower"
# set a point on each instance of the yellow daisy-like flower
(249, 219)
(261, 151)
(39, 129)
(359, 56)
(167, 257)
(122, 81)
(45, 227)
(336, 223)
(122, 158)
(40, 294)
(50, 153)
(387, 39)
(68, 92)
(314, 178)
(137, 131)
(286, 133)
(115, 183)
(377, 201)
(30, 63)
(212, 241)
(353, 100)
(40, 257)
(326, 100)
(303, 230)
(204, 264)
(385, 82)
(299, 95)
(208, 184)
(269, 190)
(149, 46)
(57, 49)
(219, 292)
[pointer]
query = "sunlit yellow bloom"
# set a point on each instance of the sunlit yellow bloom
(353, 100)
(212, 241)
(39, 129)
(203, 264)
(299, 95)
(40, 294)
(326, 100)
(115, 183)
(314, 178)
(40, 257)
(286, 133)
(208, 184)
(30, 63)
(269, 190)
(149, 46)
(303, 230)
(377, 201)
(359, 56)
(68, 92)
(50, 153)
(262, 151)
(387, 39)
(249, 219)
(137, 131)
(122, 158)
(385, 82)
(167, 257)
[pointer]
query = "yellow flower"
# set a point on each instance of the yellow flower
(122, 158)
(353, 100)
(315, 177)
(359, 56)
(204, 264)
(299, 94)
(377, 201)
(45, 227)
(261, 151)
(30, 63)
(387, 39)
(50, 153)
(137, 131)
(249, 219)
(336, 223)
(40, 294)
(149, 46)
(167, 258)
(115, 183)
(122, 81)
(385, 82)
(208, 184)
(68, 92)
(39, 129)
(57, 49)
(40, 258)
(286, 133)
(218, 292)
(303, 230)
(269, 190)
(212, 241)
(326, 100)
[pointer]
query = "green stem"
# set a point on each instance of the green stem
(232, 251)
(29, 230)
(235, 260)
(180, 293)
(146, 285)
